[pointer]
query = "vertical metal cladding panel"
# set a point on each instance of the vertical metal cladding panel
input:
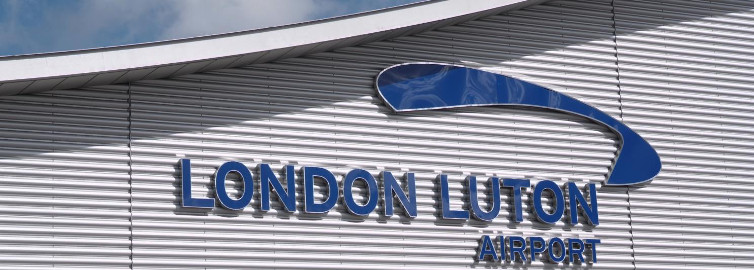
(686, 80)
(322, 110)
(64, 180)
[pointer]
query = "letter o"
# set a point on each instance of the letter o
(348, 198)
(221, 189)
(561, 247)
(540, 212)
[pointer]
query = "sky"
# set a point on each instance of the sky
(38, 26)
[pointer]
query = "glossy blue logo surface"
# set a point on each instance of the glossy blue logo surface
(427, 86)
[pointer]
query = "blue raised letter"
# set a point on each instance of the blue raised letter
(561, 247)
(486, 247)
(534, 249)
(517, 185)
(393, 188)
(332, 195)
(288, 198)
(221, 189)
(446, 212)
(501, 243)
(474, 197)
(559, 206)
(577, 199)
(517, 249)
(573, 251)
(186, 199)
(353, 207)
(593, 243)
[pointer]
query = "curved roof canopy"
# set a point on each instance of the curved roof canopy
(65, 70)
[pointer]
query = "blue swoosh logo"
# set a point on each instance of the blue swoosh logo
(427, 86)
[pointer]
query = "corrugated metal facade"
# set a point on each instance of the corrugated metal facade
(686, 84)
(64, 180)
(76, 158)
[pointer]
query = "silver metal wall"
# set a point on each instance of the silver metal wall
(91, 178)
(686, 84)
(64, 185)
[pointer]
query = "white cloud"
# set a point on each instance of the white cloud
(10, 31)
(112, 21)
(196, 17)
(45, 26)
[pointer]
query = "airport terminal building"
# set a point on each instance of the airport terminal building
(449, 134)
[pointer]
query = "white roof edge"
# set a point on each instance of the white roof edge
(65, 64)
